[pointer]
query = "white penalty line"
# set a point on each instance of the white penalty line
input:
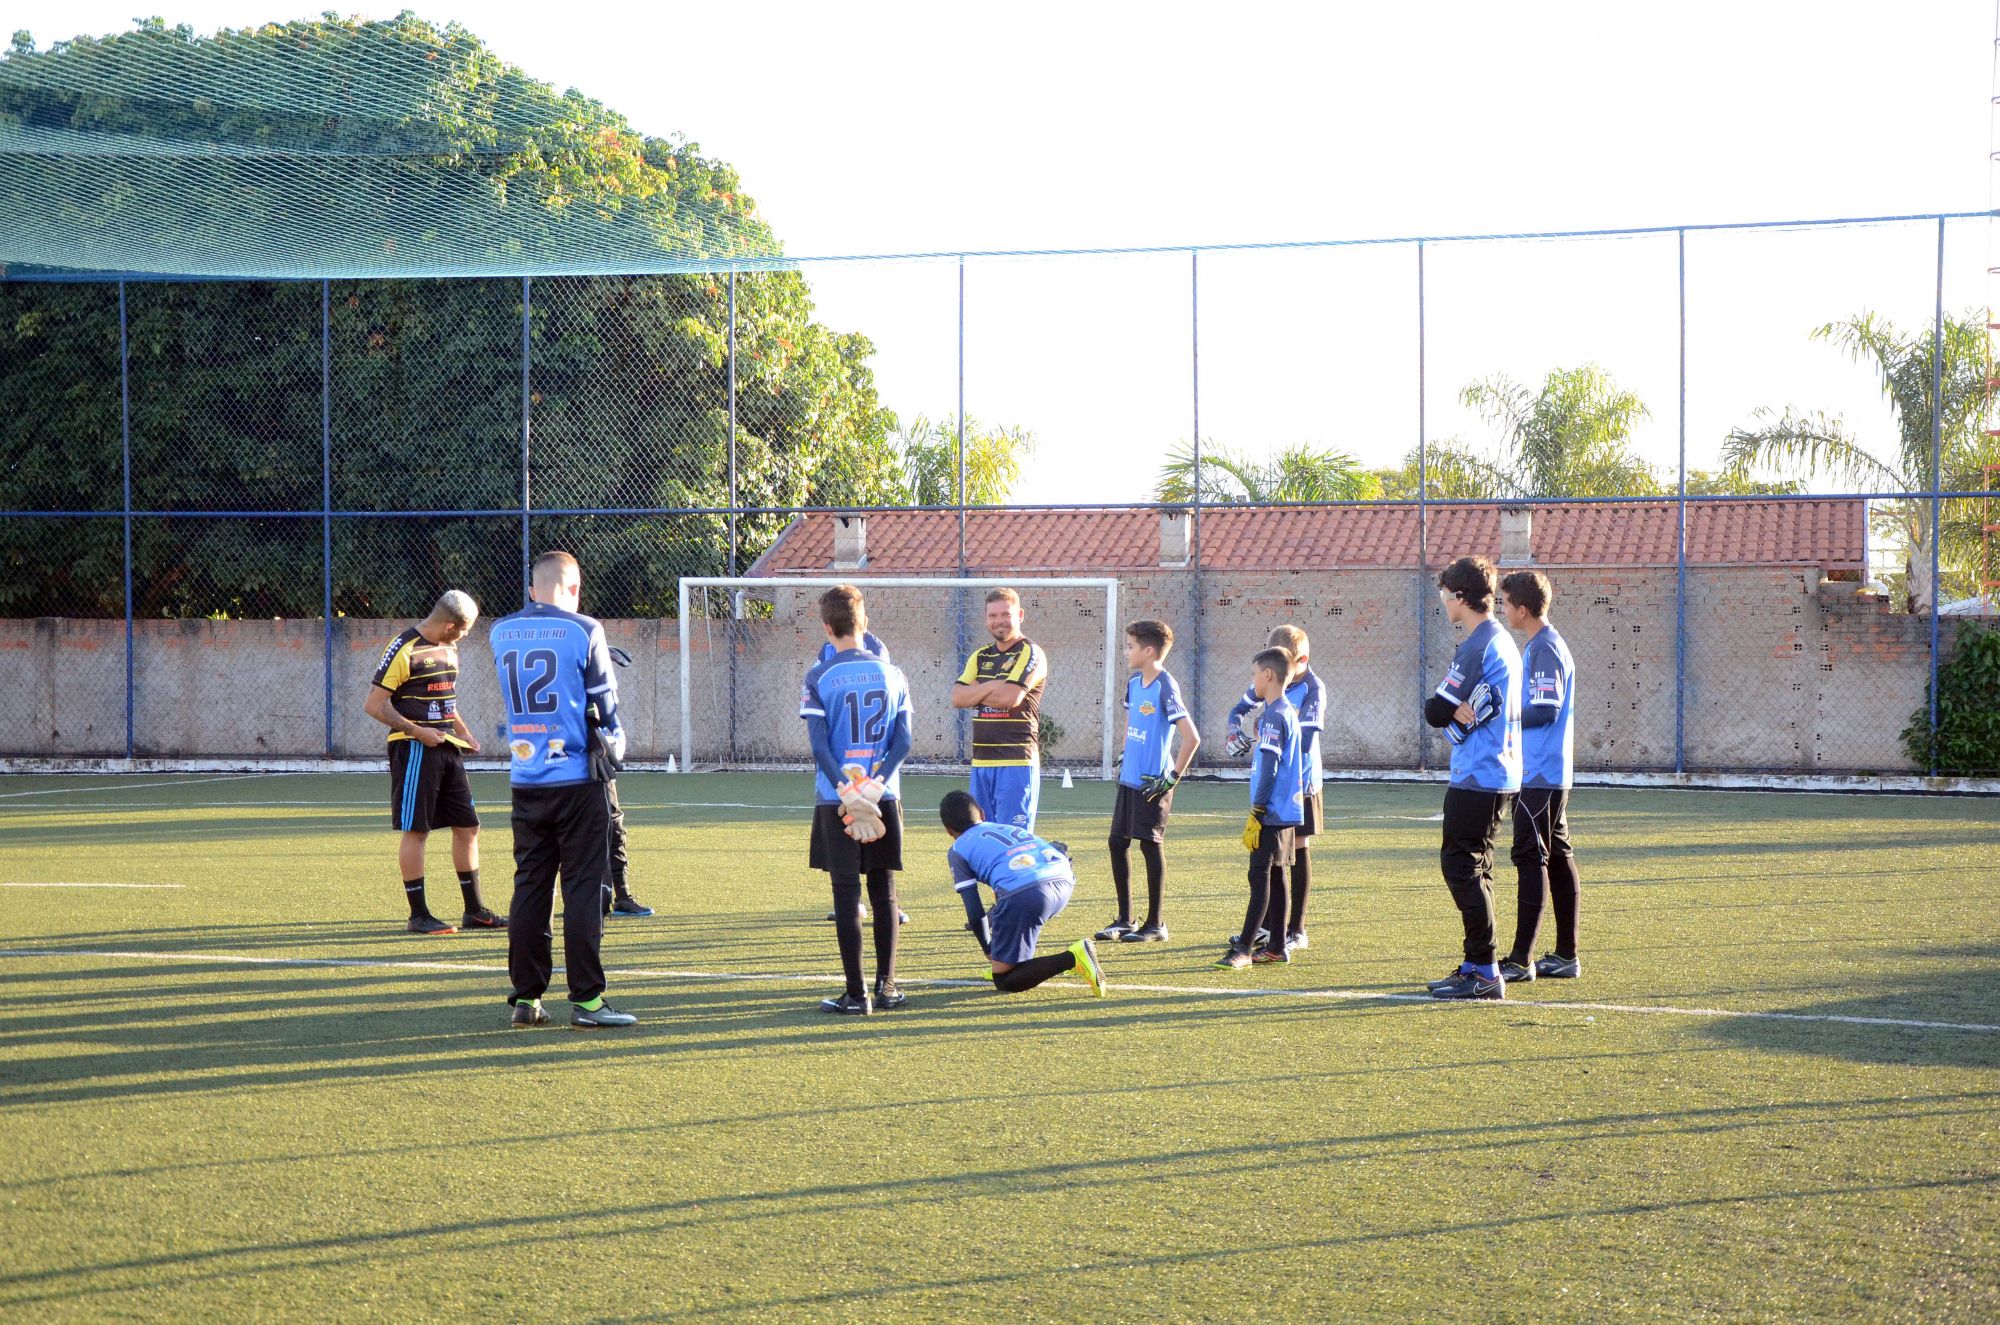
(4, 884)
(1202, 991)
(133, 786)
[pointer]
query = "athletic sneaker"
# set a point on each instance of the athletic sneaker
(1263, 937)
(1115, 931)
(431, 926)
(888, 996)
(1554, 967)
(483, 918)
(847, 1005)
(1511, 970)
(1271, 956)
(629, 907)
(529, 1014)
(1146, 934)
(605, 1015)
(1235, 959)
(1471, 984)
(1296, 941)
(1456, 971)
(902, 917)
(1087, 967)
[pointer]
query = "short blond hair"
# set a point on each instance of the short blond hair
(455, 606)
(1291, 638)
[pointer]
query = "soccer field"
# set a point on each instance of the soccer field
(242, 1092)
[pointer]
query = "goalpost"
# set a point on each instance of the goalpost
(928, 624)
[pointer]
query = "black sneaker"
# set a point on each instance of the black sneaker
(1556, 967)
(1456, 971)
(888, 996)
(431, 926)
(604, 1015)
(529, 1014)
(1511, 970)
(1263, 937)
(628, 907)
(1115, 931)
(1146, 934)
(1471, 984)
(1235, 959)
(483, 918)
(847, 1005)
(1268, 956)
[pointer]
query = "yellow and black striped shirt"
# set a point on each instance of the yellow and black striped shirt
(1007, 737)
(422, 681)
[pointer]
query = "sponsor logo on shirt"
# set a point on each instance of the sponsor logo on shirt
(557, 749)
(522, 750)
(1146, 708)
(1543, 690)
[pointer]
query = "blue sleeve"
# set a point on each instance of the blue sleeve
(601, 690)
(824, 759)
(898, 749)
(1312, 713)
(1463, 676)
(1543, 679)
(1263, 778)
(1242, 706)
(1171, 706)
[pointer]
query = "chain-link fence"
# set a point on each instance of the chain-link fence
(1754, 462)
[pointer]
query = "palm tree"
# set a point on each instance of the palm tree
(1819, 445)
(1299, 472)
(1570, 438)
(993, 461)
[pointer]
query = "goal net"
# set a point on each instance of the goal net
(746, 643)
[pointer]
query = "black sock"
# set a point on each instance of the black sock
(468, 887)
(1156, 879)
(1275, 914)
(1531, 882)
(847, 928)
(413, 892)
(1121, 876)
(1301, 884)
(882, 898)
(1033, 971)
(1563, 890)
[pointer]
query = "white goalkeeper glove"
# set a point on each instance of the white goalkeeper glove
(859, 805)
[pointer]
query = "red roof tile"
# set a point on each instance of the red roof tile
(1783, 531)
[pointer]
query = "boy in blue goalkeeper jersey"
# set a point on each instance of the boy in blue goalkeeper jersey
(1277, 807)
(1543, 860)
(565, 743)
(857, 712)
(1031, 881)
(1151, 767)
(869, 644)
(1479, 706)
(1305, 693)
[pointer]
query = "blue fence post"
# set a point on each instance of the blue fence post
(732, 437)
(125, 452)
(326, 488)
(527, 296)
(1423, 526)
(1681, 527)
(960, 719)
(1194, 520)
(1936, 483)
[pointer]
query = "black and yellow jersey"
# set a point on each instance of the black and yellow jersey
(422, 681)
(1007, 737)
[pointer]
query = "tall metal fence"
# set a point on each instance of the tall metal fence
(219, 500)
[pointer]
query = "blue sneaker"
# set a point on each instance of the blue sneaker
(600, 1016)
(628, 907)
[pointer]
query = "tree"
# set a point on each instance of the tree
(1572, 437)
(1299, 472)
(1817, 445)
(993, 460)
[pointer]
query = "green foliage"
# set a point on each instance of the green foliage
(1967, 740)
(1814, 445)
(1299, 472)
(1571, 437)
(993, 461)
(1049, 733)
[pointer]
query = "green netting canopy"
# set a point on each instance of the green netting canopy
(339, 149)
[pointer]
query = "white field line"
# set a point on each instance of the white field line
(92, 885)
(1202, 991)
(134, 786)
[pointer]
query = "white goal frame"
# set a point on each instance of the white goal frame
(1112, 741)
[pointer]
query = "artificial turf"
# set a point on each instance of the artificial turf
(187, 1138)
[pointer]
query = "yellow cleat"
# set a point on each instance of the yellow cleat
(1087, 967)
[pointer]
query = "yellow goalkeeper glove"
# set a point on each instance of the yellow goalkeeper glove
(1253, 831)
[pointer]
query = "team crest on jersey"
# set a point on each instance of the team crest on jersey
(1146, 707)
(522, 750)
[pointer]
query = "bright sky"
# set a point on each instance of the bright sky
(891, 128)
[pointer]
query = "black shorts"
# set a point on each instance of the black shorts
(428, 788)
(1133, 816)
(1314, 807)
(836, 853)
(1275, 846)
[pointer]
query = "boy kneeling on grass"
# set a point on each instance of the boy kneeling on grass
(1031, 881)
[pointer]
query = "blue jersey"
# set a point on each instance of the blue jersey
(1278, 777)
(1308, 696)
(553, 668)
(1005, 859)
(1486, 673)
(1150, 714)
(860, 696)
(1548, 733)
(869, 644)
